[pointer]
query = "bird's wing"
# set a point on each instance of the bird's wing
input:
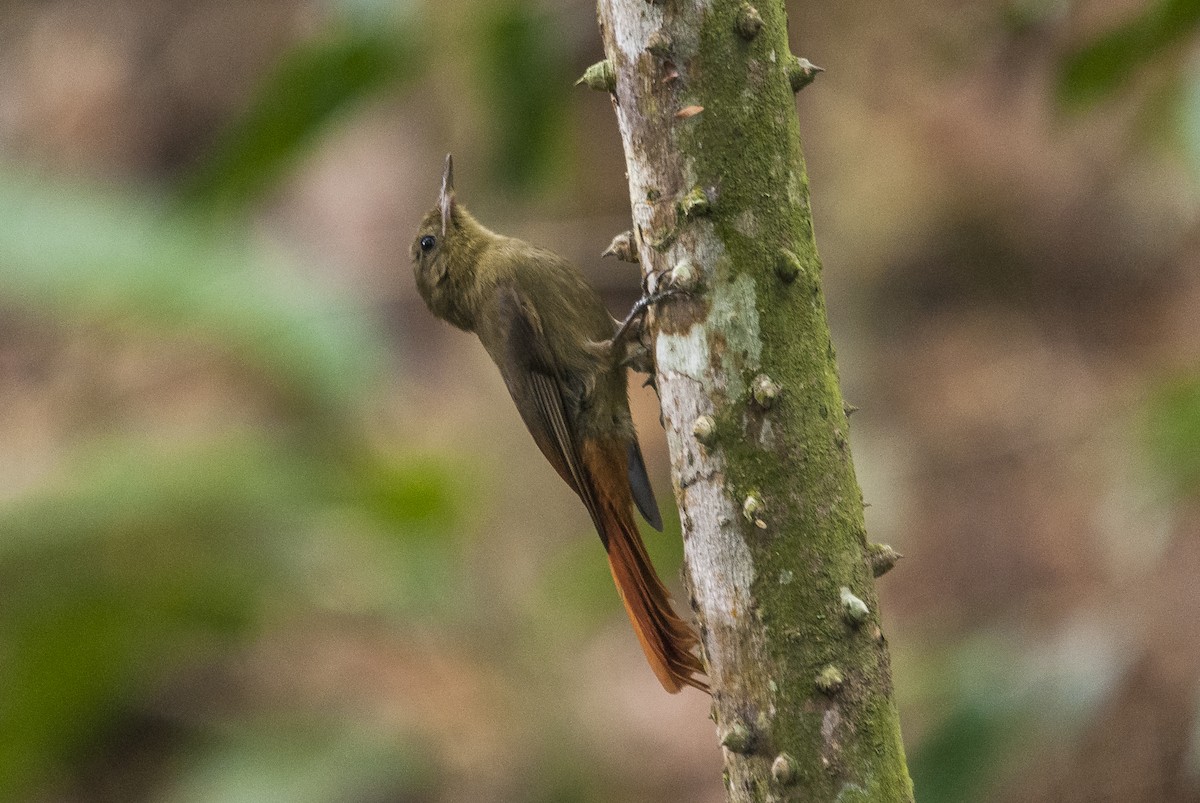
(542, 395)
(539, 390)
(639, 485)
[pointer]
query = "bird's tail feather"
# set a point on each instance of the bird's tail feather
(667, 640)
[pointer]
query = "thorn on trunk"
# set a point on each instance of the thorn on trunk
(882, 558)
(765, 391)
(751, 507)
(660, 44)
(600, 76)
(685, 276)
(788, 266)
(853, 608)
(695, 203)
(830, 680)
(705, 430)
(623, 247)
(784, 769)
(749, 22)
(801, 72)
(737, 739)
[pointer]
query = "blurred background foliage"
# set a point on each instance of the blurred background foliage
(269, 532)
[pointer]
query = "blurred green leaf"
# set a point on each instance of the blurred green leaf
(1188, 110)
(101, 257)
(306, 765)
(143, 558)
(578, 587)
(409, 491)
(522, 73)
(1000, 699)
(1173, 433)
(125, 571)
(1105, 65)
(87, 625)
(125, 488)
(955, 763)
(577, 582)
(982, 698)
(312, 85)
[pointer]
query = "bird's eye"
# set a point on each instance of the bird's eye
(428, 242)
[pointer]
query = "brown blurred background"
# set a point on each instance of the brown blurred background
(270, 532)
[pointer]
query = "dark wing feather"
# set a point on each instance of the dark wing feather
(537, 387)
(542, 395)
(639, 483)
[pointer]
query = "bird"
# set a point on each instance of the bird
(558, 351)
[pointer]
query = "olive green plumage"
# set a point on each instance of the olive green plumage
(551, 337)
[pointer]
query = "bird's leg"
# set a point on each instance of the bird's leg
(627, 346)
(639, 358)
(638, 355)
(637, 316)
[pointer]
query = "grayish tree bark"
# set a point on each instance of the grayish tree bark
(777, 562)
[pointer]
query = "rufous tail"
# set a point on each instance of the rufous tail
(667, 640)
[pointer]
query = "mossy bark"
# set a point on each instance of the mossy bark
(772, 513)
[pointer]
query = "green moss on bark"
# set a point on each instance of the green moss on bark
(747, 144)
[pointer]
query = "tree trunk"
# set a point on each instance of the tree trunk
(777, 562)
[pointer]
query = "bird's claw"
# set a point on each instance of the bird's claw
(637, 316)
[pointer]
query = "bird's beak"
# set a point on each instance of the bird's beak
(446, 201)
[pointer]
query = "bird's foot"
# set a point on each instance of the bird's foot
(636, 319)
(628, 346)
